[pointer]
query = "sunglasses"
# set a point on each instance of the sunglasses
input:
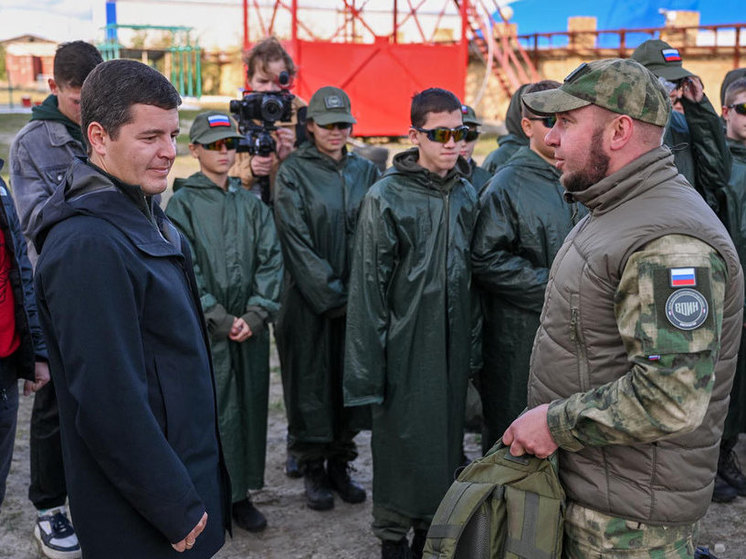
(472, 135)
(547, 121)
(740, 108)
(217, 145)
(442, 134)
(337, 125)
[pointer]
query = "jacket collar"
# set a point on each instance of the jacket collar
(638, 176)
(90, 191)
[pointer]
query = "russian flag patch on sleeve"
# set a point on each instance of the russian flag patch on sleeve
(683, 277)
(671, 55)
(218, 120)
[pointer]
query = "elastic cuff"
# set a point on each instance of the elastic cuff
(255, 320)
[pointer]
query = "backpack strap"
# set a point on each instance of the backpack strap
(526, 546)
(460, 503)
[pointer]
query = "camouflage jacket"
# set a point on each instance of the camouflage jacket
(637, 345)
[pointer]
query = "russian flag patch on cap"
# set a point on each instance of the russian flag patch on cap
(683, 277)
(671, 55)
(218, 120)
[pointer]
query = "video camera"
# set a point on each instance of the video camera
(266, 107)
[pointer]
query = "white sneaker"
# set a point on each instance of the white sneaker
(55, 534)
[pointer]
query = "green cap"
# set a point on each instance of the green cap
(329, 105)
(620, 85)
(212, 126)
(662, 59)
(469, 116)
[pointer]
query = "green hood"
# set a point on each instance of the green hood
(406, 163)
(49, 110)
(199, 180)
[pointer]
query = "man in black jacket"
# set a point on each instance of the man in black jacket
(128, 348)
(23, 354)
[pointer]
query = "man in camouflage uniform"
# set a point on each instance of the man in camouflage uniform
(635, 355)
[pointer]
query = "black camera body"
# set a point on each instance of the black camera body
(266, 107)
(269, 107)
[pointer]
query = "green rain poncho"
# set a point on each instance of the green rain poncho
(238, 265)
(317, 201)
(523, 221)
(409, 330)
(735, 222)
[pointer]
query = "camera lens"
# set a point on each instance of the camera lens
(271, 108)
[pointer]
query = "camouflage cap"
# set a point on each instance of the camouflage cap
(620, 85)
(662, 59)
(211, 126)
(469, 115)
(329, 105)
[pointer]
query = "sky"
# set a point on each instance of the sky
(218, 22)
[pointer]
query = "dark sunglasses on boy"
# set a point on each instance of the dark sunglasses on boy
(740, 108)
(471, 135)
(547, 121)
(443, 134)
(217, 145)
(337, 125)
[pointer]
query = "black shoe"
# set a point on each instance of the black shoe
(723, 492)
(418, 543)
(291, 467)
(395, 550)
(247, 516)
(318, 492)
(729, 469)
(349, 490)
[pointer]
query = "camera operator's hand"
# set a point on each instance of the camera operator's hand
(285, 142)
(261, 166)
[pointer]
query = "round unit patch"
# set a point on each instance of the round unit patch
(686, 309)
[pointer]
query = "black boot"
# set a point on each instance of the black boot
(291, 467)
(318, 492)
(349, 490)
(418, 543)
(395, 550)
(730, 470)
(723, 492)
(247, 517)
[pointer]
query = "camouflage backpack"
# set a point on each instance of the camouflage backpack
(501, 506)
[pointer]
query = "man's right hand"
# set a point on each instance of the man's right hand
(188, 542)
(261, 166)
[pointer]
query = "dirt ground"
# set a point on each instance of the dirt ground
(295, 531)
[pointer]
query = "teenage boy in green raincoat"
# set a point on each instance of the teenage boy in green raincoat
(409, 323)
(238, 264)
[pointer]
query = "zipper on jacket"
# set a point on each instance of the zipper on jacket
(577, 338)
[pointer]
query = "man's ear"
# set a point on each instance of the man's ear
(620, 131)
(193, 150)
(527, 126)
(413, 137)
(98, 138)
(53, 87)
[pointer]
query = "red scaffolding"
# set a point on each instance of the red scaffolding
(379, 56)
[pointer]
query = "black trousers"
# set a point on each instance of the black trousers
(8, 421)
(48, 488)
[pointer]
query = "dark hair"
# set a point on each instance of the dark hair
(733, 90)
(114, 86)
(543, 85)
(266, 51)
(433, 100)
(73, 62)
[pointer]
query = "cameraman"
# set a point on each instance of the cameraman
(264, 64)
